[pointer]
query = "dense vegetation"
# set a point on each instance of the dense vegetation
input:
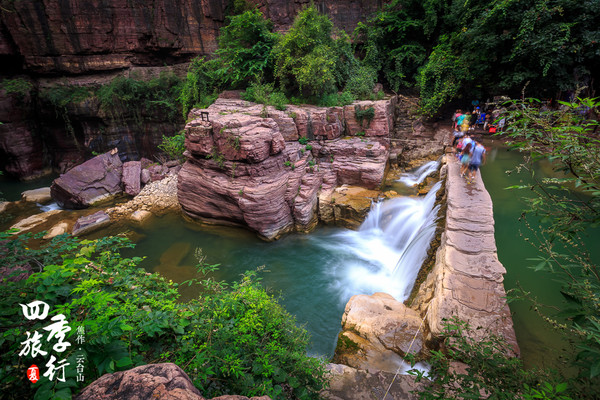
(231, 339)
(452, 49)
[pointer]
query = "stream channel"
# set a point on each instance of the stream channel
(316, 274)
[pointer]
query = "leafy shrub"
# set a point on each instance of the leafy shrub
(174, 146)
(489, 371)
(306, 58)
(264, 93)
(245, 46)
(231, 339)
(131, 96)
(17, 86)
(441, 78)
(361, 114)
(361, 82)
(303, 140)
(201, 86)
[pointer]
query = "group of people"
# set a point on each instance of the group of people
(478, 118)
(471, 155)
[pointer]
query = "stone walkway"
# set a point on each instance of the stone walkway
(467, 279)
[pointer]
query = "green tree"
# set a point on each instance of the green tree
(305, 58)
(245, 46)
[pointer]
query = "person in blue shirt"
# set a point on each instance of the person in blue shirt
(477, 158)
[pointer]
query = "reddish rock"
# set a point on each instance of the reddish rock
(90, 182)
(382, 331)
(242, 170)
(90, 223)
(157, 172)
(131, 177)
(357, 161)
(152, 381)
(382, 123)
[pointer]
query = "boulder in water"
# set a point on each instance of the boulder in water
(41, 195)
(96, 179)
(377, 332)
(131, 177)
(90, 223)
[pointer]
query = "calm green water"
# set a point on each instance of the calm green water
(540, 344)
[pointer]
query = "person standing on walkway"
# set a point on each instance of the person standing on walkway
(477, 158)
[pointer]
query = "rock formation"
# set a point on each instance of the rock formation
(93, 181)
(246, 168)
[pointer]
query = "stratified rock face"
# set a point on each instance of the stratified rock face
(81, 37)
(377, 332)
(246, 168)
(467, 279)
(21, 149)
(78, 37)
(152, 381)
(90, 182)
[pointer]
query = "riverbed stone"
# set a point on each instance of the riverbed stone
(377, 332)
(58, 229)
(90, 223)
(41, 195)
(33, 221)
(95, 180)
(131, 177)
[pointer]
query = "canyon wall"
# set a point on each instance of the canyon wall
(88, 43)
(75, 37)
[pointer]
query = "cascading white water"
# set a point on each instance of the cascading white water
(49, 207)
(418, 176)
(386, 253)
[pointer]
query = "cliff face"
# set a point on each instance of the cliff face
(86, 43)
(75, 36)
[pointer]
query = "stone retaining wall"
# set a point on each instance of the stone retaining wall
(467, 278)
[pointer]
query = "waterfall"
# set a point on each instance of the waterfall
(386, 253)
(418, 176)
(49, 207)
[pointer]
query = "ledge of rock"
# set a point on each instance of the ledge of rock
(347, 383)
(41, 195)
(467, 278)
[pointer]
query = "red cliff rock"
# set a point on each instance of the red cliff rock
(242, 170)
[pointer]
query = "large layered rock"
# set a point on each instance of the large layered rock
(246, 168)
(93, 181)
(377, 333)
(467, 279)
